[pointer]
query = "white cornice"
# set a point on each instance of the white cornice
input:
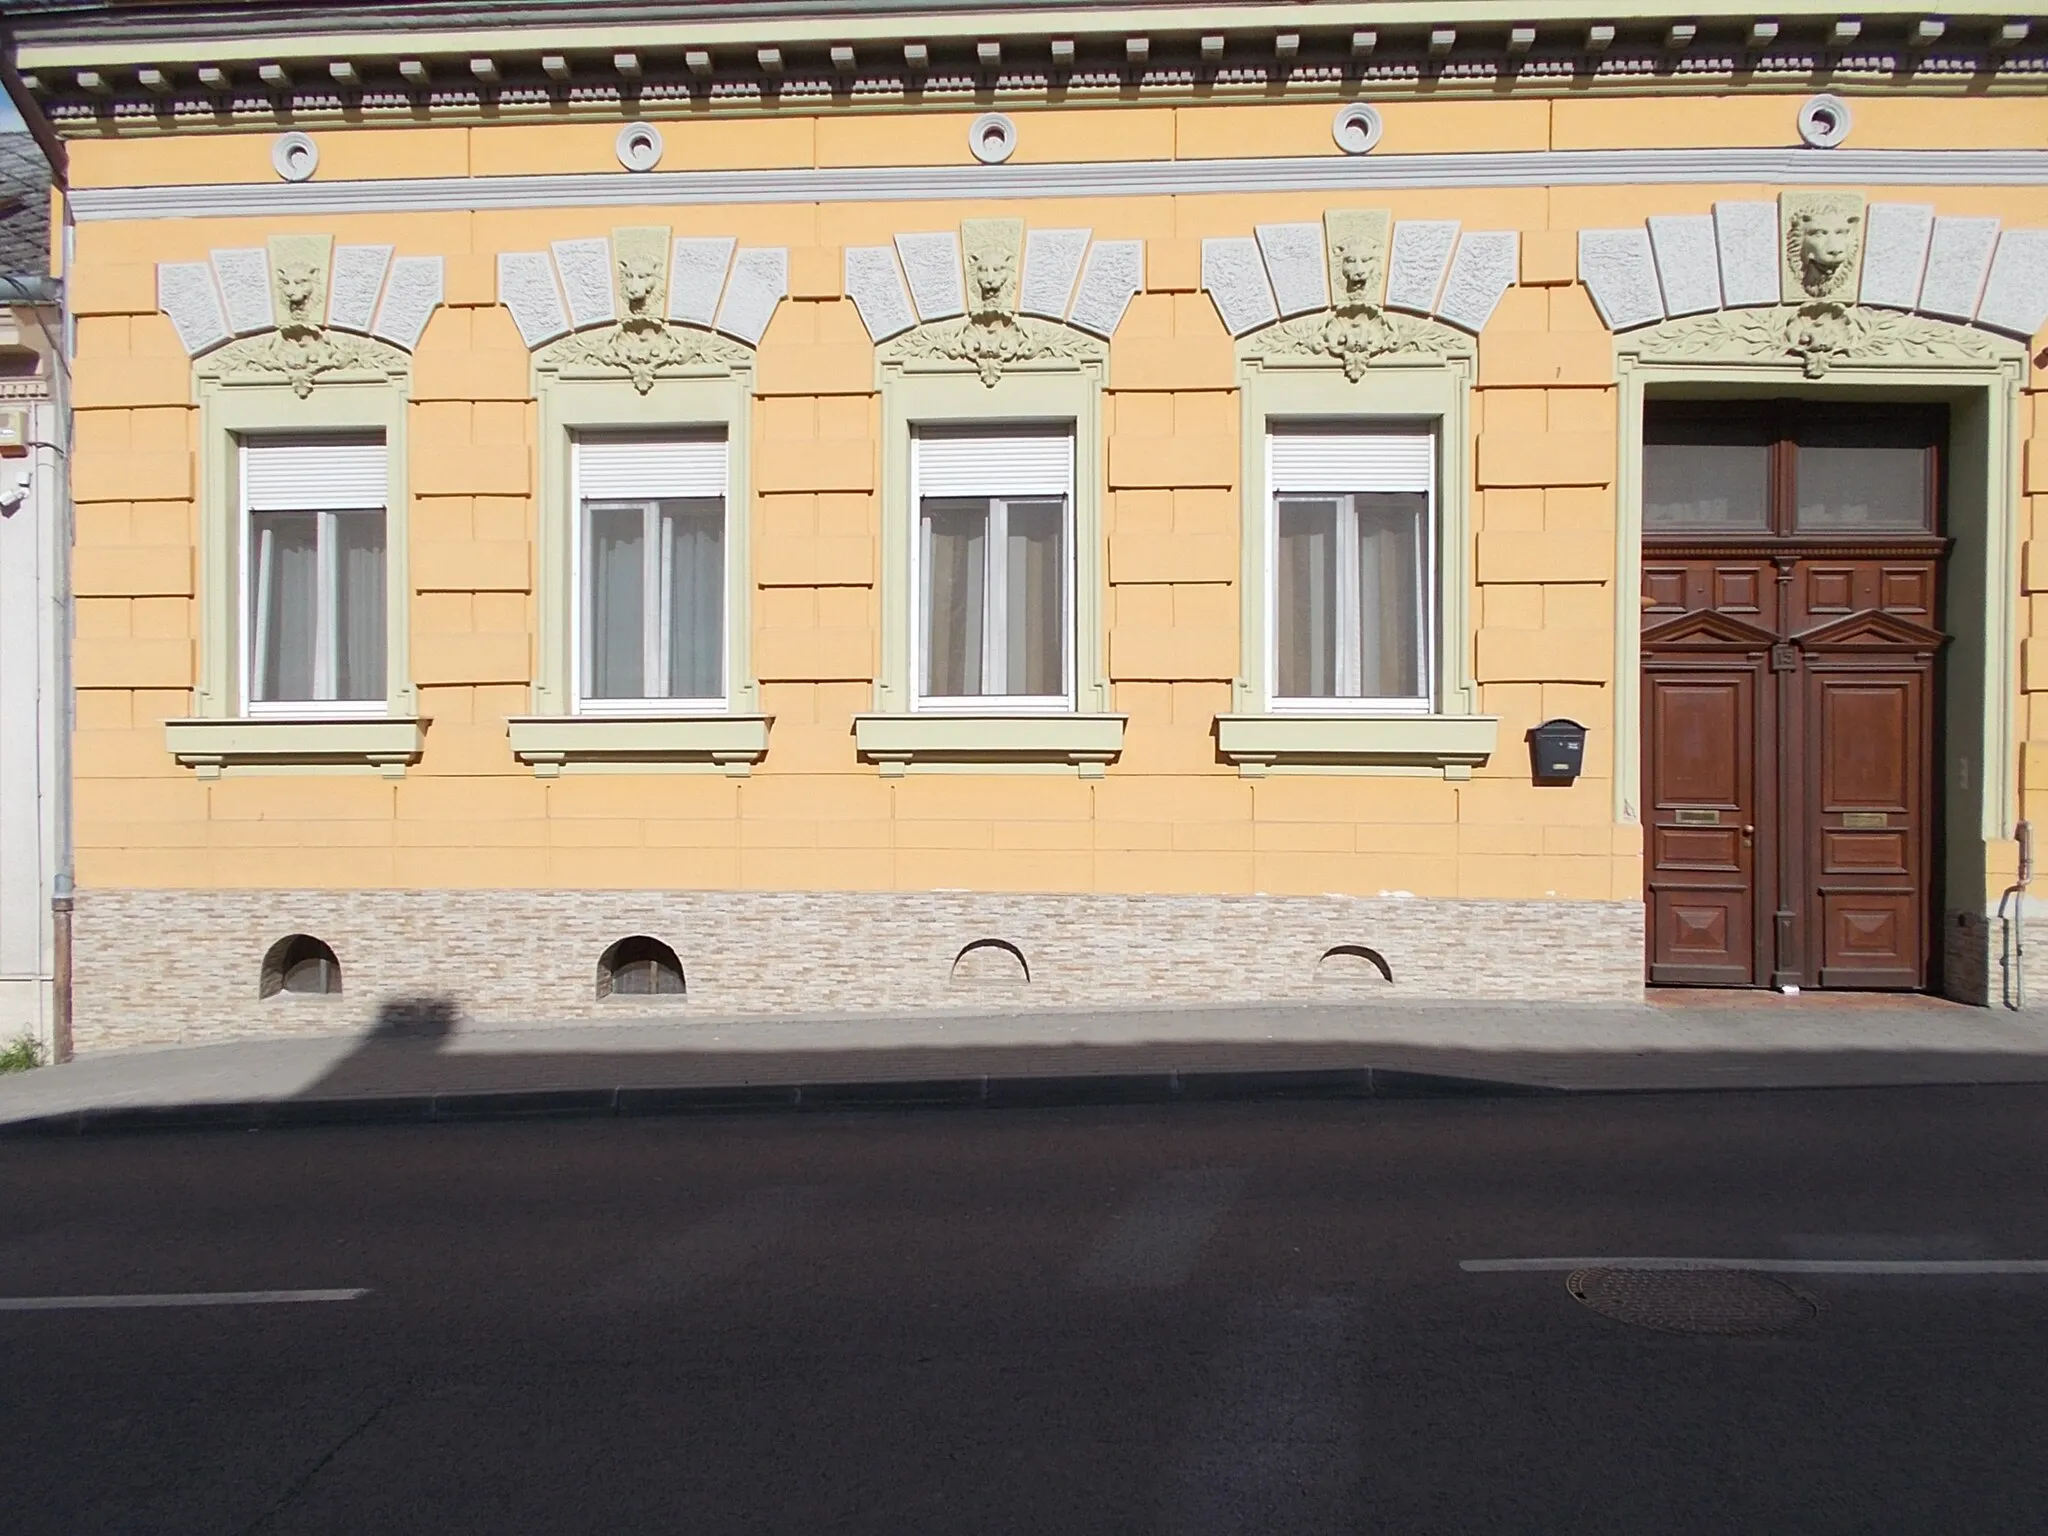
(992, 22)
(1159, 178)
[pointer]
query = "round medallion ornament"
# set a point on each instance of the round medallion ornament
(993, 138)
(639, 146)
(295, 156)
(1357, 129)
(1823, 121)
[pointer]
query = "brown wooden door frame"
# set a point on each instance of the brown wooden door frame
(1823, 601)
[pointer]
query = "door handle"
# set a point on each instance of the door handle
(1748, 832)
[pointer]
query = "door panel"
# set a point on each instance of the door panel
(1863, 734)
(1868, 820)
(1700, 744)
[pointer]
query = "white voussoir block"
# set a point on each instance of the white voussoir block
(526, 286)
(586, 268)
(932, 264)
(1481, 274)
(1688, 262)
(1052, 265)
(875, 284)
(1234, 276)
(1958, 259)
(1415, 266)
(696, 277)
(1620, 273)
(2016, 293)
(1293, 254)
(1746, 239)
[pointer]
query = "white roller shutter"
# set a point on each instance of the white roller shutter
(313, 474)
(1012, 462)
(650, 468)
(1334, 462)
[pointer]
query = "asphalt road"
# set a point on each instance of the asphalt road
(1188, 1321)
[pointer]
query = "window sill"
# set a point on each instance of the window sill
(957, 741)
(729, 744)
(212, 747)
(1452, 745)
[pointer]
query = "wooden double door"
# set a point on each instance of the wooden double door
(1792, 561)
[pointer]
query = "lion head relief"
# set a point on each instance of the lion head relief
(1823, 235)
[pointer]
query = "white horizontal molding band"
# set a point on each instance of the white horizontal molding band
(1319, 173)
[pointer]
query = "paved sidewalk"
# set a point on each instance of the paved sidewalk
(1363, 1048)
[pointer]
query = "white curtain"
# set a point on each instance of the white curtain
(1390, 595)
(1305, 599)
(955, 589)
(359, 601)
(615, 617)
(285, 569)
(1035, 594)
(695, 535)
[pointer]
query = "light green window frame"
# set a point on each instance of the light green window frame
(220, 736)
(900, 737)
(233, 412)
(557, 737)
(1428, 393)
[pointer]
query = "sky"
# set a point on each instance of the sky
(10, 120)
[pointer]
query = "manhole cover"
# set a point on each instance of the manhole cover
(1725, 1302)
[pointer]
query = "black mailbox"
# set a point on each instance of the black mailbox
(1557, 751)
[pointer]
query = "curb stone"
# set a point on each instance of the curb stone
(1022, 1092)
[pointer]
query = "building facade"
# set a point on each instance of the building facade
(679, 511)
(33, 543)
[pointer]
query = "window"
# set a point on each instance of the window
(1790, 467)
(651, 593)
(313, 575)
(1705, 474)
(1352, 562)
(995, 568)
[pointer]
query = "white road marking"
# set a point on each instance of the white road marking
(1769, 1266)
(714, 1248)
(176, 1299)
(1153, 1242)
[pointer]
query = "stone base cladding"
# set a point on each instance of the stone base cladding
(159, 967)
(1981, 962)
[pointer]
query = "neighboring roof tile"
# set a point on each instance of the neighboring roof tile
(24, 207)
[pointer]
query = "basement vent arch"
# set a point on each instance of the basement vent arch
(991, 963)
(639, 966)
(302, 966)
(1353, 965)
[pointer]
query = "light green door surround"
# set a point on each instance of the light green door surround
(1979, 377)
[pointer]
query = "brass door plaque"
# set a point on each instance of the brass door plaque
(1690, 817)
(1865, 820)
